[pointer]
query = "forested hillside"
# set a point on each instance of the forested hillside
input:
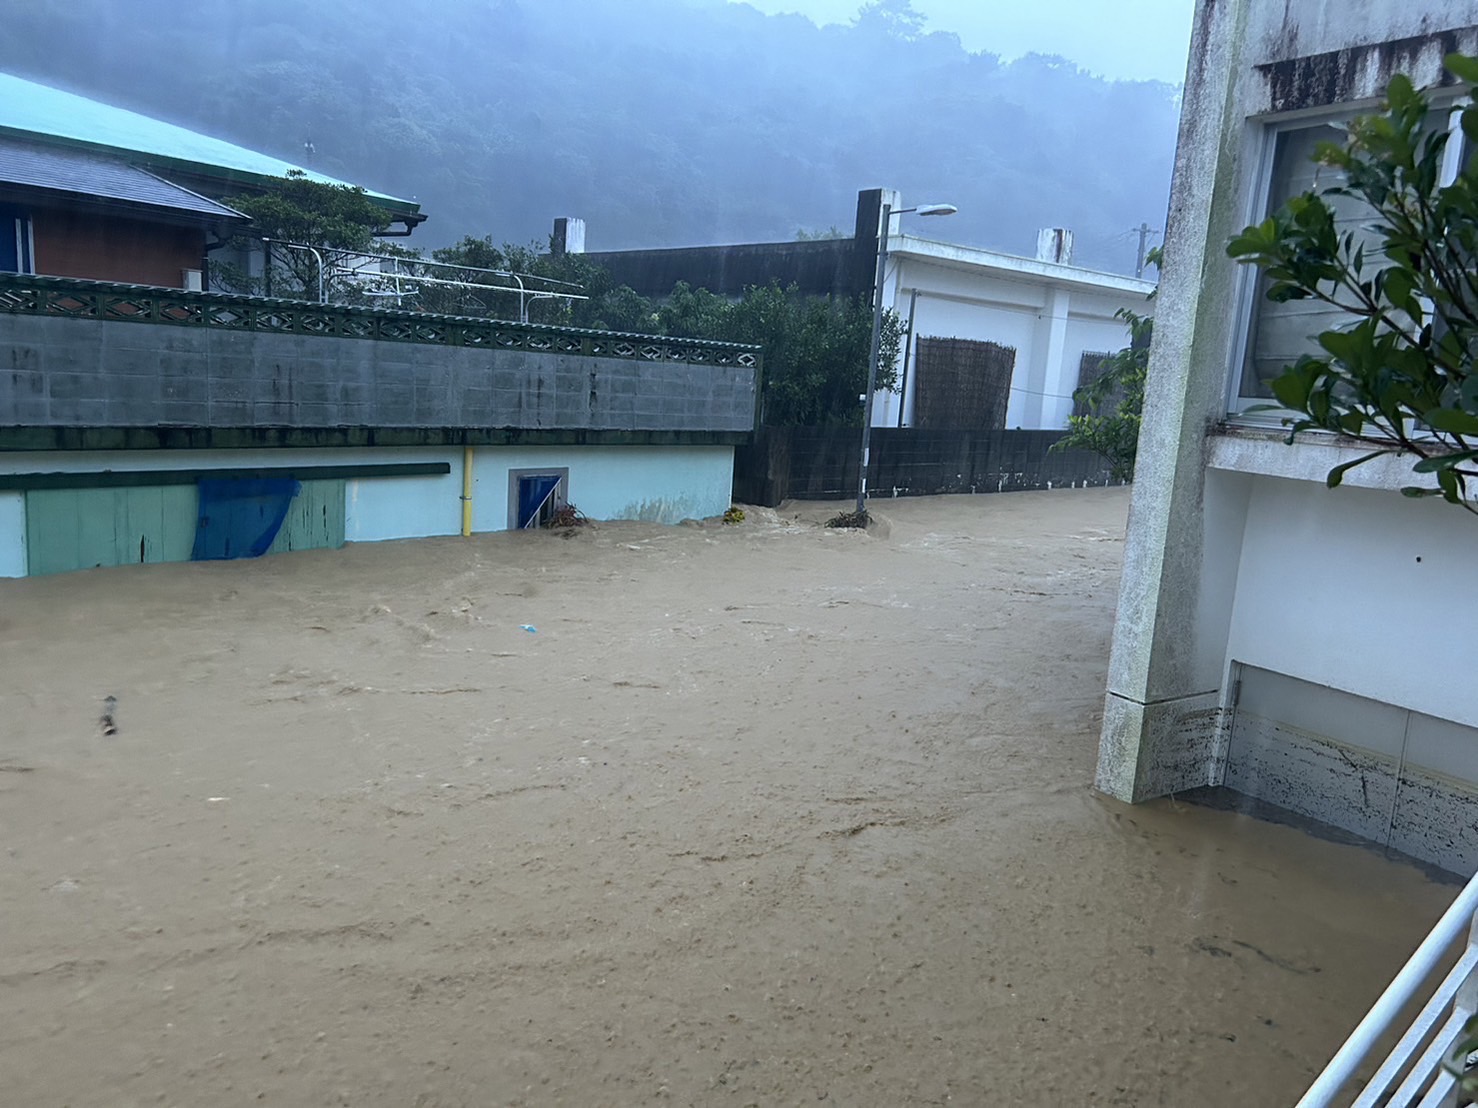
(661, 122)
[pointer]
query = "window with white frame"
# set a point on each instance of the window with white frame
(1279, 333)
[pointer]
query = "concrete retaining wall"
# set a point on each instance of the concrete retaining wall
(81, 372)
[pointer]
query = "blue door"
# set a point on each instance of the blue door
(534, 492)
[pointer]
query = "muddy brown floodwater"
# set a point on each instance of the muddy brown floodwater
(762, 814)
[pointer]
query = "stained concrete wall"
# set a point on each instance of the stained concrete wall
(1211, 575)
(1401, 779)
(70, 372)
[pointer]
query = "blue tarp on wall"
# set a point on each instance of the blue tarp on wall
(241, 518)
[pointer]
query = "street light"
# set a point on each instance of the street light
(877, 334)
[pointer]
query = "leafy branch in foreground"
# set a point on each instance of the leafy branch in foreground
(1398, 372)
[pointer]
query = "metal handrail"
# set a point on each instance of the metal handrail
(1425, 1077)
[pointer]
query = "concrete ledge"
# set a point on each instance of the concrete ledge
(1266, 451)
(1150, 750)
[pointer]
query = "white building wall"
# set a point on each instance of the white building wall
(1048, 322)
(1336, 587)
(948, 315)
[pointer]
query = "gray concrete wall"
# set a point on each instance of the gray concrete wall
(82, 373)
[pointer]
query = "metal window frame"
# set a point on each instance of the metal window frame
(1258, 207)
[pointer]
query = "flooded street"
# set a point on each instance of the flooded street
(764, 814)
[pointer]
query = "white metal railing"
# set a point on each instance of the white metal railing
(1416, 1061)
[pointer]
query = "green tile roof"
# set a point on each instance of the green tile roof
(31, 109)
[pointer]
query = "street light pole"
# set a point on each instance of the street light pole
(877, 337)
(872, 360)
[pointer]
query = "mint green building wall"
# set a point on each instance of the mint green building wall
(660, 484)
(69, 529)
(663, 484)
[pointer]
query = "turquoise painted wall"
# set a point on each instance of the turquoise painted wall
(402, 507)
(663, 484)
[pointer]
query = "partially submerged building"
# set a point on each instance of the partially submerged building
(993, 340)
(1307, 647)
(143, 419)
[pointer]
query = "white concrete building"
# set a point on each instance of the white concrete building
(1273, 635)
(1051, 313)
(1045, 312)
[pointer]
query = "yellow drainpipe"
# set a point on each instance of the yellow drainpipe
(466, 491)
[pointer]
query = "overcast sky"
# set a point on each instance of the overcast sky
(1133, 39)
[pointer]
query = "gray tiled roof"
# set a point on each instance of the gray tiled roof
(34, 165)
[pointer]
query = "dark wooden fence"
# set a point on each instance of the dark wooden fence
(820, 463)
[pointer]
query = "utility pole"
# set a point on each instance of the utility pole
(1145, 231)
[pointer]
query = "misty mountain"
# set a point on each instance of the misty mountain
(661, 122)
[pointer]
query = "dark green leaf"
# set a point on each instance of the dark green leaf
(1463, 68)
(1337, 474)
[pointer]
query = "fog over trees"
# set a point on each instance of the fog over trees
(661, 122)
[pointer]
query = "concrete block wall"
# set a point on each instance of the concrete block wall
(88, 373)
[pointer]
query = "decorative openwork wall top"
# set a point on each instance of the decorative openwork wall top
(25, 294)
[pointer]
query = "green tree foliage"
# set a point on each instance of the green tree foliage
(1399, 373)
(1114, 402)
(816, 348)
(298, 209)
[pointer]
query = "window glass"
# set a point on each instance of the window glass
(1283, 332)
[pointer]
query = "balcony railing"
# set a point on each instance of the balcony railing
(25, 294)
(1419, 1064)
